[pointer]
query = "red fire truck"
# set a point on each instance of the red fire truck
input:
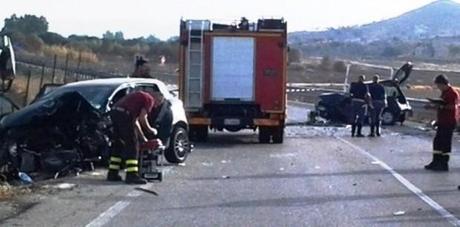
(233, 77)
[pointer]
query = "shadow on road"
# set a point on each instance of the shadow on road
(305, 175)
(303, 201)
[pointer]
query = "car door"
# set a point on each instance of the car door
(403, 73)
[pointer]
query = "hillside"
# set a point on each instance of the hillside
(436, 19)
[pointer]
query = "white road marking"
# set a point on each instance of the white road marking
(106, 216)
(436, 206)
(114, 210)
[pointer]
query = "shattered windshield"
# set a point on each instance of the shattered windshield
(97, 96)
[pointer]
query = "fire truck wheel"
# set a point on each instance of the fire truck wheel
(278, 135)
(264, 135)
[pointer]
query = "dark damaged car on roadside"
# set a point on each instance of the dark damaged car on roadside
(336, 107)
(67, 128)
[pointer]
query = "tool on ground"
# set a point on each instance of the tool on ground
(151, 158)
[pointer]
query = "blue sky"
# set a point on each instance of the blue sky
(161, 18)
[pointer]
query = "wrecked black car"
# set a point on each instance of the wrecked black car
(57, 135)
(336, 107)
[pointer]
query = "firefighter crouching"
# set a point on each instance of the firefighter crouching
(130, 118)
(446, 124)
(377, 105)
(358, 93)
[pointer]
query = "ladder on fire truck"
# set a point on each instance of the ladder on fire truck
(195, 67)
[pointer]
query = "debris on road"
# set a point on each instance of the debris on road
(65, 186)
(147, 191)
(226, 177)
(281, 169)
(181, 164)
(399, 213)
(96, 174)
(207, 164)
(25, 179)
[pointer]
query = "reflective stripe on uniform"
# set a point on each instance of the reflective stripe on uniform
(132, 169)
(115, 159)
(114, 167)
(131, 162)
(446, 154)
(438, 152)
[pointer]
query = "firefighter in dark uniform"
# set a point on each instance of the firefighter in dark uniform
(446, 124)
(130, 118)
(378, 103)
(358, 93)
(141, 68)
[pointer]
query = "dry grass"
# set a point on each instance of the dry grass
(74, 55)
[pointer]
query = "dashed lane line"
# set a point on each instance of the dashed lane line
(414, 189)
(105, 217)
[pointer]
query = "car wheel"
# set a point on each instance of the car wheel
(388, 118)
(322, 111)
(179, 147)
(264, 135)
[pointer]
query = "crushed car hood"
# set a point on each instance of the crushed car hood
(43, 111)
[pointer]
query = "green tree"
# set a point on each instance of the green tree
(52, 38)
(108, 35)
(119, 36)
(27, 24)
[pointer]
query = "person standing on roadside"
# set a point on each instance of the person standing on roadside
(358, 92)
(446, 124)
(378, 103)
(141, 68)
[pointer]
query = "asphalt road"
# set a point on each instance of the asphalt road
(318, 177)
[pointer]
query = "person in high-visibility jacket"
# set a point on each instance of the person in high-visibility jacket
(446, 124)
(130, 118)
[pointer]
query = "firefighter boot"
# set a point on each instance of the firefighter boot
(443, 164)
(134, 178)
(372, 134)
(132, 173)
(360, 134)
(439, 163)
(432, 163)
(114, 167)
(113, 176)
(353, 130)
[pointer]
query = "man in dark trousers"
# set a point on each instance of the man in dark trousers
(358, 93)
(130, 118)
(446, 124)
(378, 103)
